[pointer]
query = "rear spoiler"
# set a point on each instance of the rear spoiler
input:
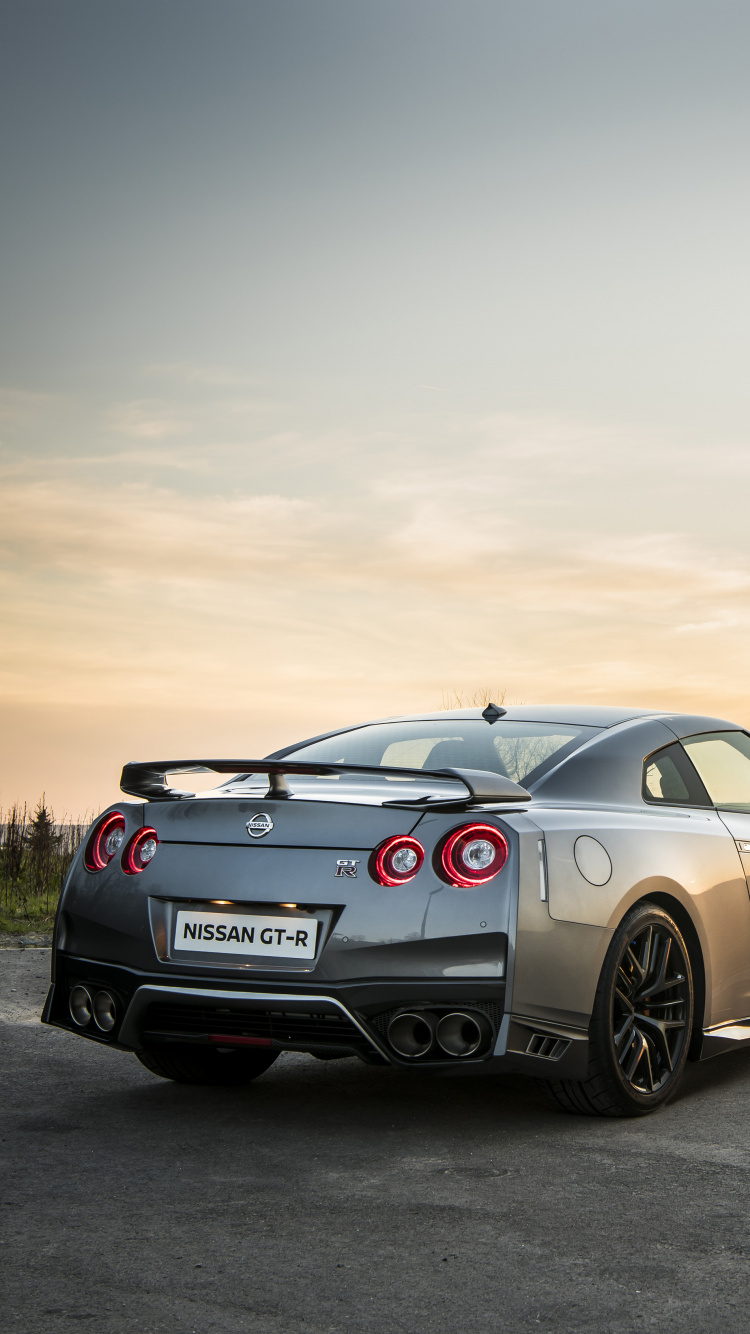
(149, 780)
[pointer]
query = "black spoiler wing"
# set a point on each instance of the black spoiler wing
(148, 780)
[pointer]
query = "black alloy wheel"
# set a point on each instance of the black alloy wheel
(650, 1006)
(641, 1021)
(187, 1064)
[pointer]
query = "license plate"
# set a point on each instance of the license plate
(246, 933)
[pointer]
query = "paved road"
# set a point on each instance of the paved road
(334, 1198)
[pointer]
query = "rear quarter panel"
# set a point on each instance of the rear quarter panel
(688, 856)
(556, 964)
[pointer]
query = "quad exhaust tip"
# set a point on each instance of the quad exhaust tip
(81, 1006)
(105, 1011)
(102, 1008)
(461, 1034)
(457, 1034)
(412, 1035)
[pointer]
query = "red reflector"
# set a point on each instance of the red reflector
(234, 1041)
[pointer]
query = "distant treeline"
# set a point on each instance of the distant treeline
(35, 854)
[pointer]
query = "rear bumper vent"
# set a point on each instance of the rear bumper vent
(294, 1030)
(550, 1048)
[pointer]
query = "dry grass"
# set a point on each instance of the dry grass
(35, 854)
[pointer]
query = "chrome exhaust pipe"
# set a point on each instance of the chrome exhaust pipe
(105, 1012)
(412, 1035)
(80, 1006)
(461, 1034)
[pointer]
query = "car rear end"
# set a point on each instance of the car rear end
(326, 922)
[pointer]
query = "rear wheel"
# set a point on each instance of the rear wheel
(207, 1065)
(641, 1021)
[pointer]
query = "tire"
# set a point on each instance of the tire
(206, 1065)
(641, 1022)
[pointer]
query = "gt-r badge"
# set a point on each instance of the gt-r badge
(346, 867)
(259, 825)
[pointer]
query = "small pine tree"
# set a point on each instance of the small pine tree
(42, 843)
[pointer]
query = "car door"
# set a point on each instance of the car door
(722, 760)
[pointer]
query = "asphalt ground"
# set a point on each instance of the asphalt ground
(334, 1198)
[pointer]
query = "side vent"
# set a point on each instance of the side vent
(541, 1044)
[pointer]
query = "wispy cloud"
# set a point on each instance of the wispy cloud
(356, 572)
(146, 420)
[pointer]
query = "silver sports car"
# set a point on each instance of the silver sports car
(560, 892)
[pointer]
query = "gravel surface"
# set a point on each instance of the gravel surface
(31, 940)
(336, 1198)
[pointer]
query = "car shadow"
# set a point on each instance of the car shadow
(345, 1093)
(348, 1097)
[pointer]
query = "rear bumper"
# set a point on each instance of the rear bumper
(295, 1016)
(334, 1019)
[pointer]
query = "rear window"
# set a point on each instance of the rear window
(521, 751)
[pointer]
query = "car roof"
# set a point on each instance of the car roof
(600, 716)
(584, 715)
(581, 715)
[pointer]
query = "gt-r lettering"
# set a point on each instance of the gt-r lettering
(345, 866)
(301, 938)
(248, 933)
(266, 935)
(279, 934)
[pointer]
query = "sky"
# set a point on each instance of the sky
(353, 354)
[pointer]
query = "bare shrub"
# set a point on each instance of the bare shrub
(473, 699)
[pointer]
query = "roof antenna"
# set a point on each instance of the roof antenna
(493, 712)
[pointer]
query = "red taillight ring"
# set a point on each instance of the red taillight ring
(139, 853)
(382, 867)
(96, 856)
(459, 873)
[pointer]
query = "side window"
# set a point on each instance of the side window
(723, 762)
(669, 779)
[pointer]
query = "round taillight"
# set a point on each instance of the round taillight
(396, 861)
(105, 841)
(472, 855)
(140, 851)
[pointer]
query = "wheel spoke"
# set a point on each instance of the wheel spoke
(624, 1033)
(648, 1065)
(626, 982)
(635, 1052)
(656, 1031)
(637, 973)
(659, 983)
(658, 962)
(647, 949)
